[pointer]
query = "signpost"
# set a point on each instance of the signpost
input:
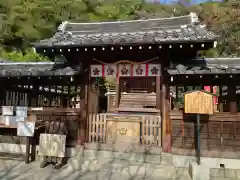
(198, 102)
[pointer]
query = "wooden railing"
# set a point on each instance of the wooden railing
(219, 132)
(150, 129)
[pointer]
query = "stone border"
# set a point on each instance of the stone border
(178, 160)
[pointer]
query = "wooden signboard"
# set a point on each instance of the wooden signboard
(52, 145)
(198, 102)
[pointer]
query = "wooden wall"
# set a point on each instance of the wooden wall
(52, 93)
(219, 133)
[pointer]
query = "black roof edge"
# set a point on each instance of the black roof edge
(126, 44)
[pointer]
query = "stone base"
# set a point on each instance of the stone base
(199, 172)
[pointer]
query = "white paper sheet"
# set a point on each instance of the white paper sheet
(26, 129)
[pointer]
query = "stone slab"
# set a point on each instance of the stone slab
(198, 172)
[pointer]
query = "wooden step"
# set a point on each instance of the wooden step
(130, 109)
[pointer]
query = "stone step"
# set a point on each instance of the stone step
(127, 167)
(224, 173)
(163, 158)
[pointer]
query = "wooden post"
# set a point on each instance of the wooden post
(84, 111)
(198, 139)
(232, 99)
(220, 99)
(117, 96)
(28, 143)
(158, 92)
(163, 110)
(86, 123)
(166, 125)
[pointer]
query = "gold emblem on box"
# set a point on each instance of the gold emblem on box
(122, 131)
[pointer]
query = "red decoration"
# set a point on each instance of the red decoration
(124, 71)
(96, 71)
(154, 71)
(139, 71)
(110, 71)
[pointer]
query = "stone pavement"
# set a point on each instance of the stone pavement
(224, 174)
(18, 170)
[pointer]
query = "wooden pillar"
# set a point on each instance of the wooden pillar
(117, 96)
(28, 144)
(166, 124)
(87, 101)
(232, 99)
(163, 111)
(158, 92)
(220, 99)
(84, 114)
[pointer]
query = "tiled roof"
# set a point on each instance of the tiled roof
(12, 69)
(207, 66)
(183, 28)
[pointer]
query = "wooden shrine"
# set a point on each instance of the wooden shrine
(136, 54)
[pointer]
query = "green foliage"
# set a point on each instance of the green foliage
(26, 21)
(19, 56)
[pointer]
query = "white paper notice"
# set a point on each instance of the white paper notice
(7, 120)
(20, 118)
(21, 111)
(7, 110)
(26, 129)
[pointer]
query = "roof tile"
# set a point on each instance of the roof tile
(11, 69)
(129, 32)
(207, 66)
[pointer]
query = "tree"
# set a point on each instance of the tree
(19, 56)
(26, 21)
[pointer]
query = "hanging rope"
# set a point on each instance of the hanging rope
(126, 61)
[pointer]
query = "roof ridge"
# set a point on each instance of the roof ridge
(137, 20)
(27, 63)
(193, 19)
(221, 58)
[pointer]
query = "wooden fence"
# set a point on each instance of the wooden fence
(150, 129)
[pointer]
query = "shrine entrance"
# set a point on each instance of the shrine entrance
(132, 112)
(140, 91)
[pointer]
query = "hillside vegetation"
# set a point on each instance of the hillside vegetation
(26, 21)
